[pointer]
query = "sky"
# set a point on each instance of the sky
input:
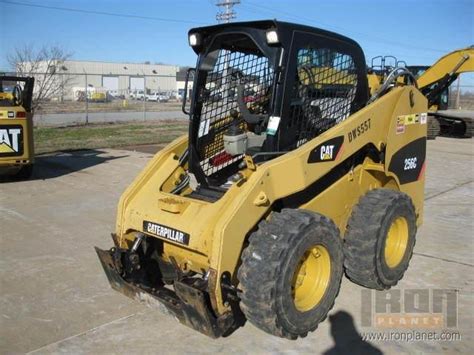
(416, 31)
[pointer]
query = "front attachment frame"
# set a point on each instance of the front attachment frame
(188, 303)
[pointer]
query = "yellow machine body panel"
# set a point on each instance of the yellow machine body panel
(16, 124)
(98, 97)
(6, 96)
(321, 76)
(374, 82)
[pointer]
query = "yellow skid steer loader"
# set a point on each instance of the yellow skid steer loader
(16, 126)
(259, 210)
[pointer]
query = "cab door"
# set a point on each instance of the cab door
(325, 82)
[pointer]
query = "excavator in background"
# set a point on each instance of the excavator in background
(16, 126)
(434, 82)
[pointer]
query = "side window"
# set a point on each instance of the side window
(323, 93)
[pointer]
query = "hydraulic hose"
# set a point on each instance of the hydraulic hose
(391, 78)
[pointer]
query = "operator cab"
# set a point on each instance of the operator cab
(264, 88)
(16, 91)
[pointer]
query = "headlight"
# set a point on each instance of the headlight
(272, 37)
(194, 39)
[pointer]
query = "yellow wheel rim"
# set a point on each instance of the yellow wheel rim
(311, 278)
(396, 242)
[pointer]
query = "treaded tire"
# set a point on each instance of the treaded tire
(268, 267)
(366, 234)
(468, 123)
(433, 127)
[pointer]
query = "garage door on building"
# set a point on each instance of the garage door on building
(137, 83)
(111, 83)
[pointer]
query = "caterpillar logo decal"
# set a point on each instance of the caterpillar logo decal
(11, 140)
(166, 232)
(327, 151)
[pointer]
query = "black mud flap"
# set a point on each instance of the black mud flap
(187, 303)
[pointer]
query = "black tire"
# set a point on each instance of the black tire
(365, 239)
(468, 127)
(268, 270)
(433, 127)
(25, 172)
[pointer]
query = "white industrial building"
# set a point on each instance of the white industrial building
(122, 78)
(116, 78)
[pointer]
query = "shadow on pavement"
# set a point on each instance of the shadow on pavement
(65, 162)
(346, 337)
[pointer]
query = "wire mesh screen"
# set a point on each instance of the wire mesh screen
(324, 90)
(231, 68)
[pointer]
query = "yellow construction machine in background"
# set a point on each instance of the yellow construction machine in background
(16, 126)
(434, 83)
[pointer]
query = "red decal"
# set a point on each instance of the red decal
(339, 153)
(220, 159)
(422, 171)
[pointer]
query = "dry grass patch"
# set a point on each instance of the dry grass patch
(52, 139)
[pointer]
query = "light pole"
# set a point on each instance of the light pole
(226, 16)
(144, 95)
(64, 69)
(127, 93)
(458, 93)
(87, 98)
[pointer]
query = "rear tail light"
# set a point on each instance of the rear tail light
(21, 114)
(221, 158)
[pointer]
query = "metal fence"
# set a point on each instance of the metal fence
(463, 101)
(66, 98)
(78, 98)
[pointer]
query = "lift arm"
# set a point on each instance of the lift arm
(444, 72)
(454, 63)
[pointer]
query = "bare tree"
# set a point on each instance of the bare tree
(46, 65)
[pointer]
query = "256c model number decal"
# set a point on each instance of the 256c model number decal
(410, 163)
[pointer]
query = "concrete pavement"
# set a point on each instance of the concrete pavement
(55, 298)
